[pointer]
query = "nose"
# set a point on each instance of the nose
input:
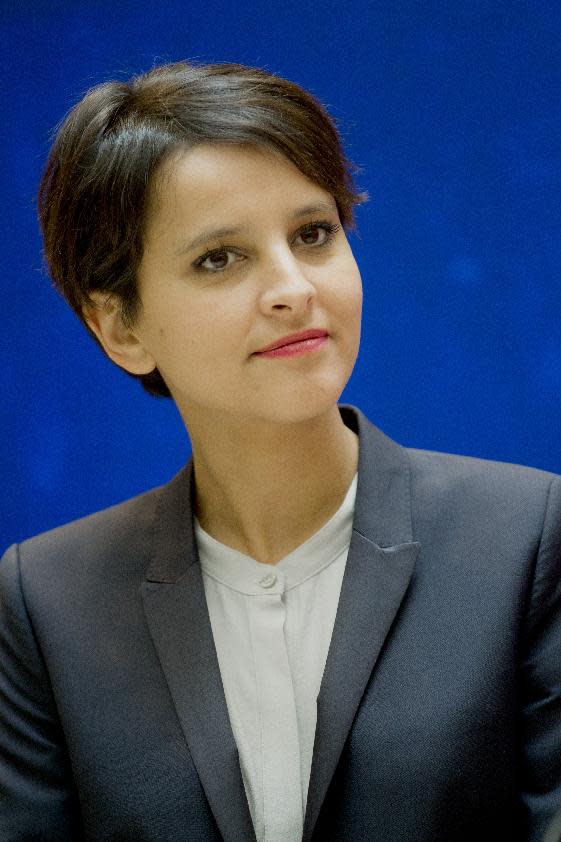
(285, 286)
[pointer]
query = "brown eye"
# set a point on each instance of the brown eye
(318, 234)
(216, 261)
(312, 235)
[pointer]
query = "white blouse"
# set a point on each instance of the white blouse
(272, 627)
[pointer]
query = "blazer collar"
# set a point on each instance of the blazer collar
(383, 503)
(379, 567)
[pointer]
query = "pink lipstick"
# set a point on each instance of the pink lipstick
(295, 344)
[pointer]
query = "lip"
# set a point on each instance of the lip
(293, 338)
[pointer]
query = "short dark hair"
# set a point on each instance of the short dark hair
(93, 193)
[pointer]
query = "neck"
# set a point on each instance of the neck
(265, 489)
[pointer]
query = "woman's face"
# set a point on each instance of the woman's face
(212, 298)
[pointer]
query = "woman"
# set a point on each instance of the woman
(311, 632)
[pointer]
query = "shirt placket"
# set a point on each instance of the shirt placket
(282, 786)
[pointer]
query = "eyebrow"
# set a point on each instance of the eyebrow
(228, 231)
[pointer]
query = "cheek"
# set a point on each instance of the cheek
(357, 288)
(348, 295)
(356, 293)
(199, 335)
(349, 313)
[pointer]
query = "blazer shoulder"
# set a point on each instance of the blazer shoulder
(484, 488)
(113, 538)
(474, 463)
(470, 469)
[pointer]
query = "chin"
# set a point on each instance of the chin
(298, 406)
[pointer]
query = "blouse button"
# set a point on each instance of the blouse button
(269, 580)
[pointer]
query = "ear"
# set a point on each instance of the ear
(119, 342)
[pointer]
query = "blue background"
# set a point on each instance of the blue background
(452, 110)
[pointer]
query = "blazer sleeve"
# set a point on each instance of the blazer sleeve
(540, 684)
(37, 798)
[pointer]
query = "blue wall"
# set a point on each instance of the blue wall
(453, 112)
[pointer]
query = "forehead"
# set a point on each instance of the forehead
(227, 179)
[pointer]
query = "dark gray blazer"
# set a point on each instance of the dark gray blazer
(439, 713)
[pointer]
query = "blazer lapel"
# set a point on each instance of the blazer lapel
(379, 566)
(176, 611)
(378, 570)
